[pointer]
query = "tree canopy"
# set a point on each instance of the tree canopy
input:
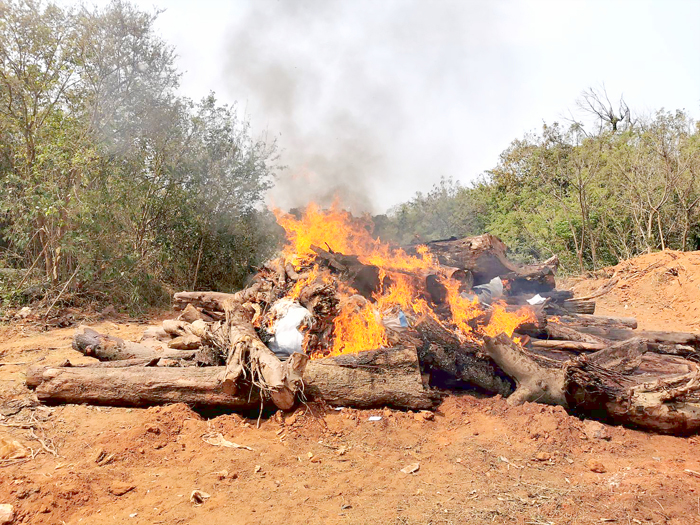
(108, 176)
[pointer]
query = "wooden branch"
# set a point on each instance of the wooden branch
(535, 382)
(247, 354)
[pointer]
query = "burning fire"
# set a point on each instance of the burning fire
(358, 325)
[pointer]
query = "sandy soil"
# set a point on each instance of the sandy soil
(480, 461)
(662, 290)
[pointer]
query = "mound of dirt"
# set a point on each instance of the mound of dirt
(662, 290)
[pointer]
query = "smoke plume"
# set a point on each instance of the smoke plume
(366, 98)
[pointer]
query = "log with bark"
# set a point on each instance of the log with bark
(385, 377)
(454, 362)
(624, 383)
(109, 348)
(484, 256)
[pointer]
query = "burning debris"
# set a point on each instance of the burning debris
(342, 317)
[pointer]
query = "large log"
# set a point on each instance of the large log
(578, 320)
(137, 386)
(624, 383)
(613, 333)
(385, 377)
(629, 385)
(571, 306)
(214, 301)
(448, 359)
(365, 278)
(484, 256)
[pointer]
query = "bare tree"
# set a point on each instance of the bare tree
(596, 102)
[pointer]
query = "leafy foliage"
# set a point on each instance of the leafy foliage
(631, 187)
(108, 177)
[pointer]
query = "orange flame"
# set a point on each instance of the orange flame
(358, 325)
(504, 322)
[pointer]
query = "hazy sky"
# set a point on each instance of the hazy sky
(378, 99)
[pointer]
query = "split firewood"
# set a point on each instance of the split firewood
(191, 314)
(109, 348)
(185, 342)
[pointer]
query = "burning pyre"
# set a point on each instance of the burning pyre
(367, 284)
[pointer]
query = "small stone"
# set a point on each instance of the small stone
(119, 488)
(543, 456)
(257, 469)
(24, 312)
(7, 514)
(427, 415)
(198, 497)
(596, 466)
(411, 469)
(596, 430)
(291, 419)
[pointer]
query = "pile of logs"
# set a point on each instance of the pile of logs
(216, 353)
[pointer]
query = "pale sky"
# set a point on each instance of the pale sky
(378, 99)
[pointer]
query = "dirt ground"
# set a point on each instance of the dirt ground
(479, 460)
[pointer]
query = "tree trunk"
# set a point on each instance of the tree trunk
(385, 377)
(628, 385)
(458, 363)
(623, 383)
(137, 386)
